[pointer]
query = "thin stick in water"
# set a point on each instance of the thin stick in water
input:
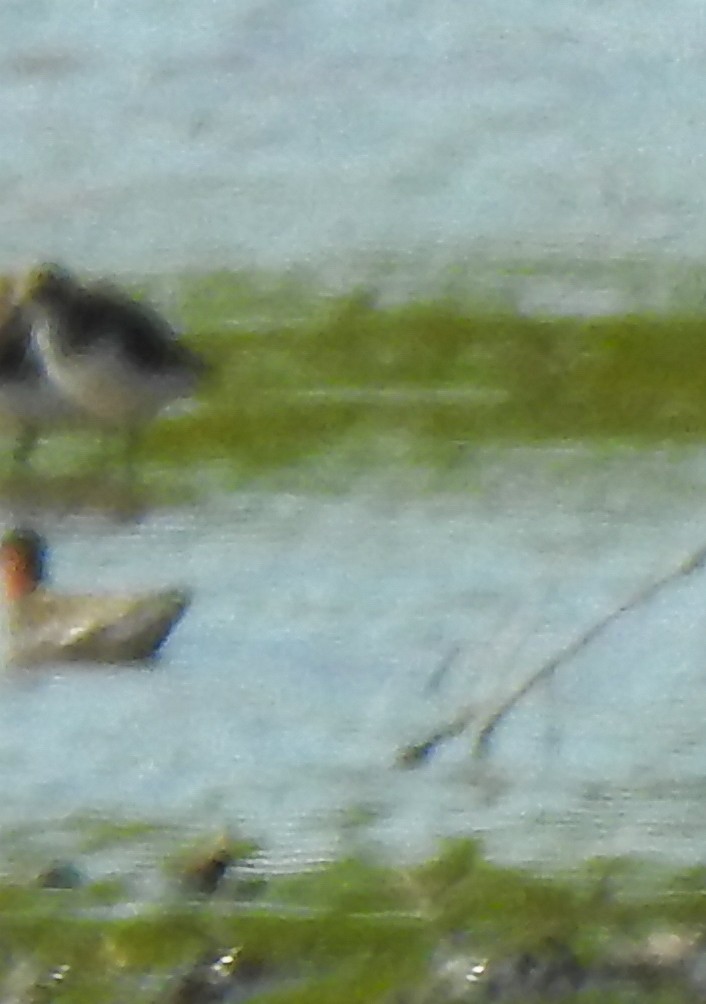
(643, 595)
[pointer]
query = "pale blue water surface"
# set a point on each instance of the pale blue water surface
(269, 133)
(315, 649)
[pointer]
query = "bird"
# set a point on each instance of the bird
(60, 875)
(116, 360)
(29, 400)
(204, 874)
(46, 626)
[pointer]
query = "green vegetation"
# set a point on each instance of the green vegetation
(425, 379)
(356, 930)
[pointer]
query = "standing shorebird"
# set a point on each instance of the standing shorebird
(45, 626)
(116, 360)
(29, 400)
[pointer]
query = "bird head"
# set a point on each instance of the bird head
(47, 283)
(23, 559)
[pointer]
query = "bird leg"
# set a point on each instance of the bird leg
(25, 445)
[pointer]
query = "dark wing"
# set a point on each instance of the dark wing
(146, 337)
(17, 357)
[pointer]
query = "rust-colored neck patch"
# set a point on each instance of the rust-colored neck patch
(18, 573)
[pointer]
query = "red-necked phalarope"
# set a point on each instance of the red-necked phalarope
(49, 627)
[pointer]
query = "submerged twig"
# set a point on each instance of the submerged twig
(441, 671)
(643, 595)
(417, 753)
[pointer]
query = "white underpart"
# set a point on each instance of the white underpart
(36, 401)
(106, 383)
(29, 397)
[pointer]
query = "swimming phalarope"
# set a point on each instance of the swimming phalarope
(48, 627)
(28, 399)
(117, 360)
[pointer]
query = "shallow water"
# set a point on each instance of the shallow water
(145, 137)
(322, 640)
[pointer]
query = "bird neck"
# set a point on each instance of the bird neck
(20, 579)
